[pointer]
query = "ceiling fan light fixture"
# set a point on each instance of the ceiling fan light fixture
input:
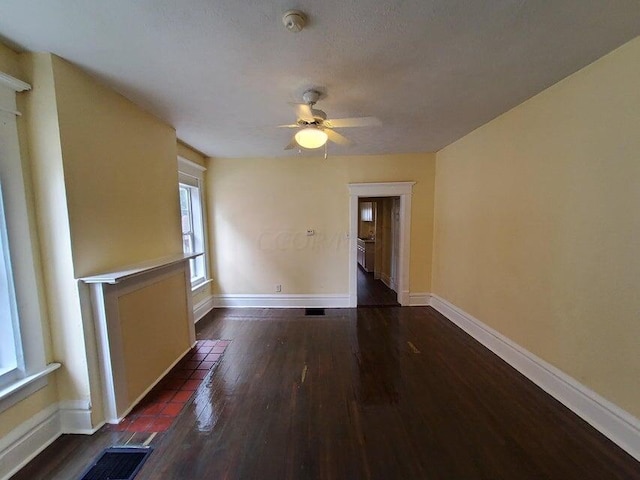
(311, 137)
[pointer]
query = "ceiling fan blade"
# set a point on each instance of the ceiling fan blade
(292, 144)
(353, 122)
(335, 137)
(304, 112)
(293, 125)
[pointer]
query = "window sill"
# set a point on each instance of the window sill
(195, 288)
(21, 389)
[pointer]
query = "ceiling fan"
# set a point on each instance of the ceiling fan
(314, 128)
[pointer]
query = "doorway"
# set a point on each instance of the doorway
(377, 256)
(403, 191)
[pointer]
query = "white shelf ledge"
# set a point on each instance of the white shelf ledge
(26, 381)
(124, 273)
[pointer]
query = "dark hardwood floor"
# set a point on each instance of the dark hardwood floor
(374, 293)
(373, 393)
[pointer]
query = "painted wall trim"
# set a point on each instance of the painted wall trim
(203, 307)
(612, 421)
(24, 387)
(104, 300)
(383, 189)
(24, 442)
(75, 417)
(386, 189)
(13, 83)
(31, 437)
(281, 301)
(190, 168)
(419, 299)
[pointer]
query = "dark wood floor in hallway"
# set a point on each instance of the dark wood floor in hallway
(373, 393)
(373, 292)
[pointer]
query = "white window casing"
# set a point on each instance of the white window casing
(21, 312)
(193, 213)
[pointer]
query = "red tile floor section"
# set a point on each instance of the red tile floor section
(156, 412)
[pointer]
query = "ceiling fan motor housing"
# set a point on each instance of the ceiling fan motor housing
(311, 97)
(318, 116)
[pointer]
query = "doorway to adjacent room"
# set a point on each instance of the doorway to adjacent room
(393, 208)
(377, 256)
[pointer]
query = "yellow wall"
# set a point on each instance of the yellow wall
(105, 189)
(120, 170)
(260, 209)
(147, 316)
(537, 225)
(10, 62)
(45, 154)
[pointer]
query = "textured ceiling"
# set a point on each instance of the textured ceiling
(223, 71)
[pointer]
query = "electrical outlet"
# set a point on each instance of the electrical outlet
(278, 288)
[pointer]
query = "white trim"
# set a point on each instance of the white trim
(109, 341)
(12, 389)
(75, 417)
(388, 189)
(23, 443)
(13, 83)
(104, 299)
(419, 299)
(190, 168)
(142, 268)
(197, 171)
(282, 301)
(195, 289)
(203, 307)
(383, 189)
(190, 321)
(615, 423)
(22, 246)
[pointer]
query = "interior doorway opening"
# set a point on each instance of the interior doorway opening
(403, 191)
(377, 255)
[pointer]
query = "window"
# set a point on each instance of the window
(366, 211)
(193, 219)
(10, 344)
(23, 365)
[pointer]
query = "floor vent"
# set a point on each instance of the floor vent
(117, 463)
(313, 311)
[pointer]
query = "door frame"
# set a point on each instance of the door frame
(403, 190)
(395, 241)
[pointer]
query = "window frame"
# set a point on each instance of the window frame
(12, 361)
(191, 176)
(21, 248)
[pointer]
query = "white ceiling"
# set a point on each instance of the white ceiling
(223, 71)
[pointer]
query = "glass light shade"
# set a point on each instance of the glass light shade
(311, 137)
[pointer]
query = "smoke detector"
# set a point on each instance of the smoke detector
(294, 20)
